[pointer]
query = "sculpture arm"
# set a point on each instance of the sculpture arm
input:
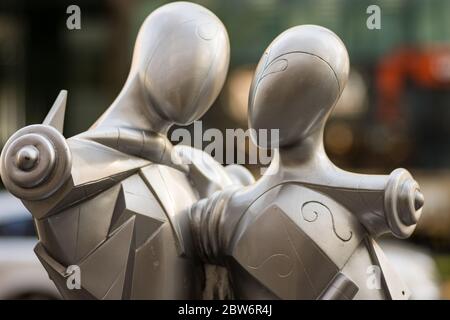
(383, 203)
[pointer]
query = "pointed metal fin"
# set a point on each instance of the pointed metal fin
(55, 117)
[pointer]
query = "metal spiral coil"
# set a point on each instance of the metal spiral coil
(35, 162)
(403, 202)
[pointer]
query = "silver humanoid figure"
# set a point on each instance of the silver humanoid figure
(119, 203)
(111, 200)
(306, 229)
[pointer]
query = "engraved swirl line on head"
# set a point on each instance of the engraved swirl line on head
(277, 58)
(316, 215)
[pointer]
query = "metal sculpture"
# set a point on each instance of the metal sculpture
(306, 229)
(112, 200)
(119, 203)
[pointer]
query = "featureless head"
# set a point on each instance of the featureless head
(297, 82)
(181, 56)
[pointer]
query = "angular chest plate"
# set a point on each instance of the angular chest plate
(295, 240)
(326, 222)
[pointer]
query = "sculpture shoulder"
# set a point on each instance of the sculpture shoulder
(311, 211)
(93, 169)
(286, 233)
(92, 162)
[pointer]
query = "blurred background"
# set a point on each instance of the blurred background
(393, 113)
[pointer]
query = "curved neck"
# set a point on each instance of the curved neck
(309, 153)
(132, 109)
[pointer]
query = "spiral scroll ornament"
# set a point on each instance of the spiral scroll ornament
(35, 162)
(310, 212)
(403, 202)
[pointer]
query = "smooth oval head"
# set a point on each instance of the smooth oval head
(297, 82)
(179, 66)
(182, 54)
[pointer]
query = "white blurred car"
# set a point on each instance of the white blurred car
(21, 274)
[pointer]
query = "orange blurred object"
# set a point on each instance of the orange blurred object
(428, 68)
